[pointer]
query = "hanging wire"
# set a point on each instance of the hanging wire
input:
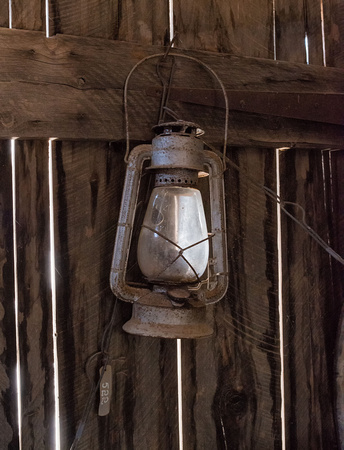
(175, 55)
(166, 85)
(283, 203)
(104, 351)
(166, 89)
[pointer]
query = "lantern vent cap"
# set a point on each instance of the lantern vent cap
(180, 127)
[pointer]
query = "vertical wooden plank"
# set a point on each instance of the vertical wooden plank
(87, 194)
(334, 182)
(291, 19)
(89, 179)
(310, 311)
(314, 31)
(130, 20)
(334, 32)
(4, 14)
(232, 380)
(144, 21)
(241, 27)
(336, 198)
(8, 396)
(34, 294)
(309, 306)
(299, 31)
(28, 16)
(97, 18)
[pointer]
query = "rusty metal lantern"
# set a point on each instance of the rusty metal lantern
(183, 265)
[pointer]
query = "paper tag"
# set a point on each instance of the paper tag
(105, 392)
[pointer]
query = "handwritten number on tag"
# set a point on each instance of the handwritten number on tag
(105, 391)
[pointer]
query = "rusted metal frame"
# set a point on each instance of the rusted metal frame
(126, 218)
(218, 227)
(318, 107)
(131, 294)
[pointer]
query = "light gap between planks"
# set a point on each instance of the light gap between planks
(16, 295)
(53, 293)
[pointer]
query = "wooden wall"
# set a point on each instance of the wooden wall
(231, 381)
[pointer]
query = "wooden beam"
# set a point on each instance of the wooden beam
(318, 107)
(72, 88)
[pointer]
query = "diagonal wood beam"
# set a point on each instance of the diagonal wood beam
(72, 88)
(325, 107)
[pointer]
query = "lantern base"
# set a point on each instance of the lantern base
(172, 323)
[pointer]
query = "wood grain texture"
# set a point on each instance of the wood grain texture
(143, 21)
(89, 180)
(334, 32)
(334, 163)
(311, 313)
(28, 16)
(290, 31)
(137, 21)
(97, 18)
(310, 310)
(8, 397)
(335, 197)
(296, 19)
(242, 28)
(66, 87)
(4, 16)
(314, 31)
(232, 380)
(34, 294)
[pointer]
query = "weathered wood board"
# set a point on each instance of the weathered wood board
(242, 28)
(335, 167)
(8, 393)
(4, 15)
(311, 313)
(232, 380)
(310, 310)
(34, 294)
(87, 199)
(144, 21)
(28, 16)
(334, 32)
(66, 87)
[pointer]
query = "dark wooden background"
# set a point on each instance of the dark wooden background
(231, 381)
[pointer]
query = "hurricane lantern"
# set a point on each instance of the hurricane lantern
(182, 263)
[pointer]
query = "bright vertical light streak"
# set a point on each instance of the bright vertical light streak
(180, 393)
(279, 264)
(16, 297)
(323, 32)
(280, 299)
(9, 13)
(274, 28)
(53, 295)
(47, 31)
(170, 19)
(307, 48)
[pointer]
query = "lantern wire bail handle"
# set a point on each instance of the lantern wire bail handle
(163, 56)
